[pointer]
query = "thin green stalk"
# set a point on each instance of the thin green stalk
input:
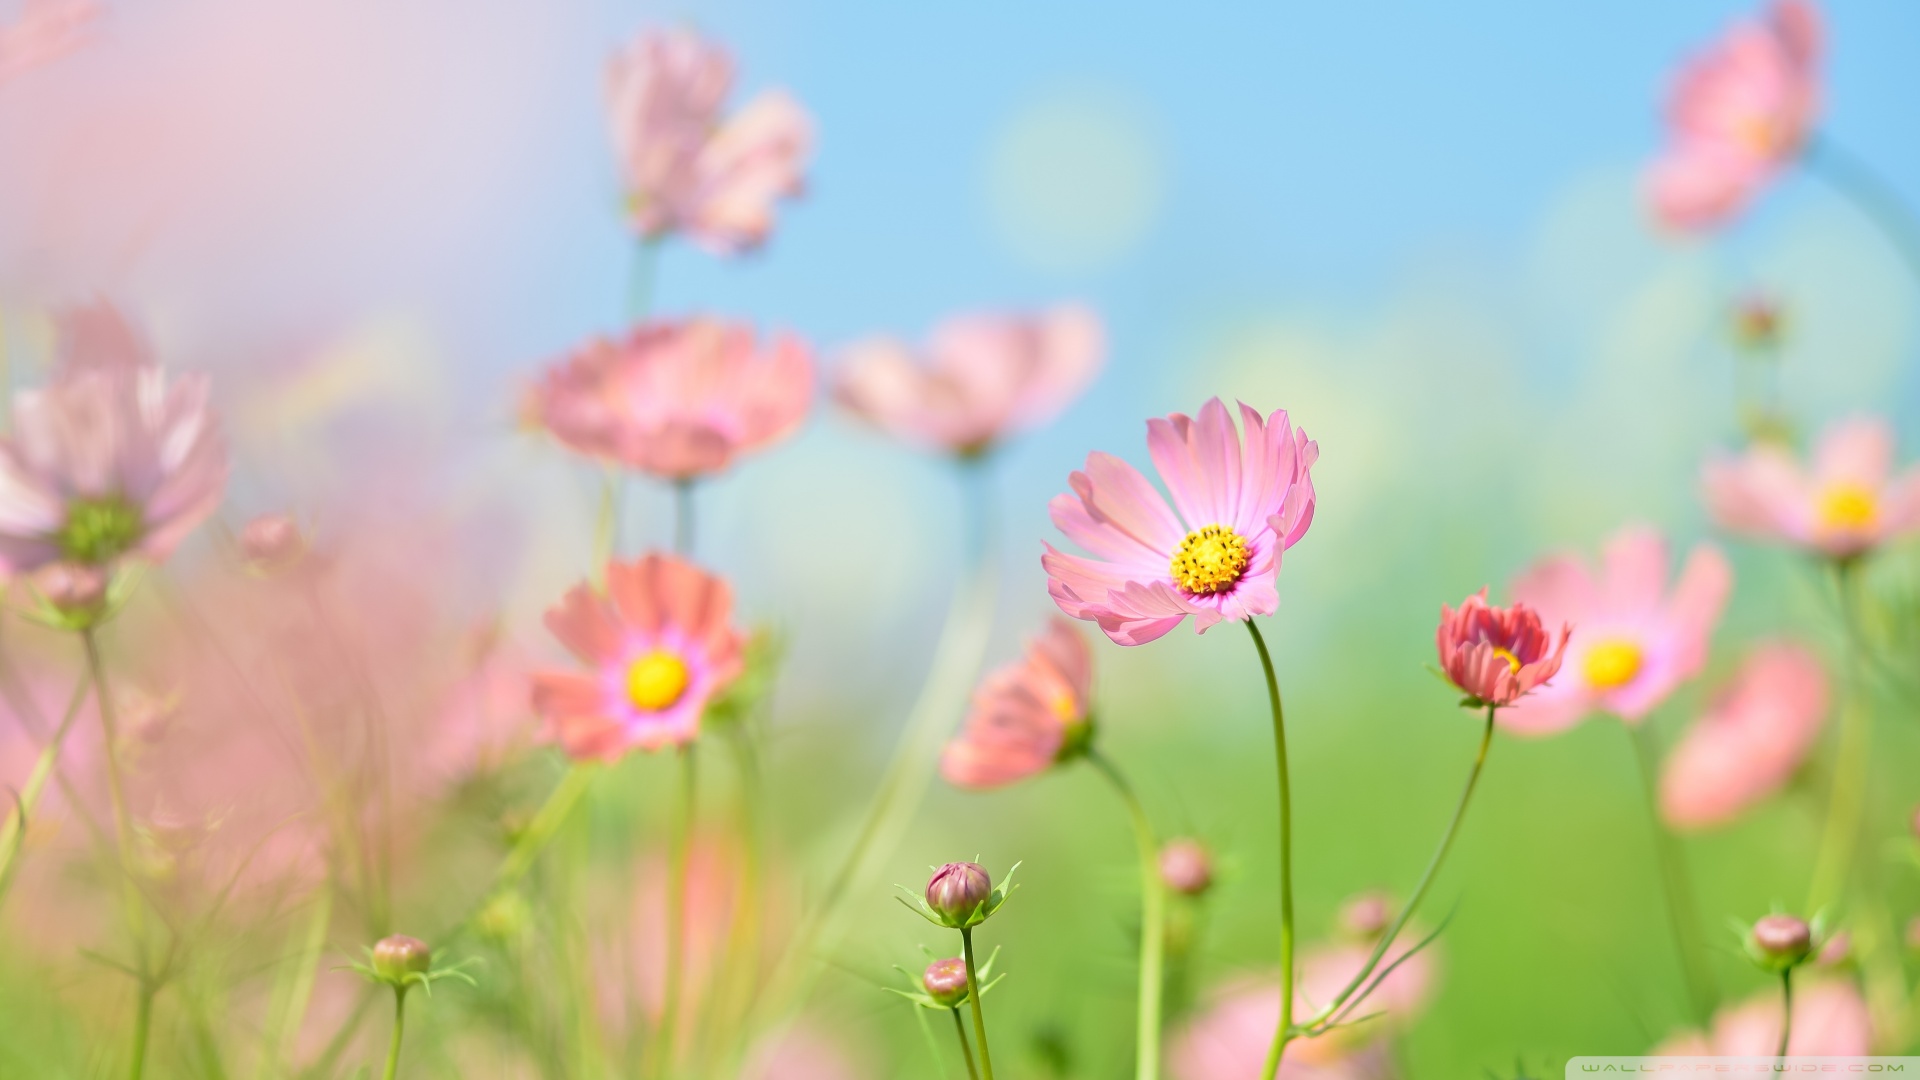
(12, 836)
(142, 1025)
(933, 1045)
(399, 1030)
(1786, 1011)
(1153, 923)
(287, 1020)
(1682, 911)
(973, 996)
(1284, 1031)
(676, 912)
(1419, 890)
(966, 1050)
(1848, 795)
(123, 835)
(683, 518)
(1868, 192)
(538, 834)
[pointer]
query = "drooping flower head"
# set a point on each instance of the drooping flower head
(677, 399)
(1748, 744)
(1846, 504)
(659, 645)
(105, 463)
(689, 168)
(1027, 715)
(1496, 655)
(1213, 554)
(1739, 112)
(1638, 640)
(979, 378)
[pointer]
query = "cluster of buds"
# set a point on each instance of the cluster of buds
(960, 896)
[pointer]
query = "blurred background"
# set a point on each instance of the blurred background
(1420, 231)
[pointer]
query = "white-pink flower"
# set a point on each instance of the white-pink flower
(1758, 730)
(1634, 639)
(1849, 502)
(687, 167)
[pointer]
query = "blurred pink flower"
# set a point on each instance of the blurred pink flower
(802, 1051)
(661, 644)
(1239, 506)
(105, 463)
(979, 378)
(1847, 504)
(1739, 112)
(1829, 1019)
(1638, 640)
(686, 167)
(1758, 730)
(677, 399)
(97, 337)
(1496, 655)
(1026, 714)
(44, 31)
(485, 720)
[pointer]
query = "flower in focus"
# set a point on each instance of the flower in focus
(945, 981)
(688, 168)
(1495, 655)
(677, 399)
(979, 379)
(106, 464)
(660, 644)
(1637, 641)
(1829, 1018)
(1758, 730)
(44, 31)
(1847, 504)
(1186, 867)
(1739, 112)
(1239, 505)
(957, 891)
(1026, 716)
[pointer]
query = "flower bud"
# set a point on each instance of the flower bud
(957, 892)
(1186, 867)
(1757, 323)
(946, 981)
(398, 959)
(72, 587)
(1778, 942)
(1366, 916)
(271, 540)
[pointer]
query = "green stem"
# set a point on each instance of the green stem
(399, 1030)
(683, 518)
(676, 911)
(973, 995)
(538, 834)
(1868, 192)
(1847, 798)
(1153, 923)
(966, 1050)
(123, 835)
(1284, 1031)
(1786, 1011)
(13, 835)
(142, 1025)
(1682, 912)
(1419, 890)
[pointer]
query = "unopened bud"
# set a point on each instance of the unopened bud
(398, 958)
(1367, 915)
(946, 981)
(1757, 323)
(957, 892)
(72, 587)
(272, 540)
(1186, 867)
(1780, 941)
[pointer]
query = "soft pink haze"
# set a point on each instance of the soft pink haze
(42, 32)
(1750, 741)
(1829, 1018)
(1845, 502)
(1025, 713)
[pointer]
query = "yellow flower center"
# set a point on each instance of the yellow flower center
(1513, 662)
(1848, 506)
(1064, 706)
(1611, 664)
(656, 681)
(1210, 560)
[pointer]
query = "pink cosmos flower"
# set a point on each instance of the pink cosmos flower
(979, 379)
(688, 168)
(1739, 112)
(803, 1051)
(660, 645)
(1637, 641)
(106, 463)
(44, 31)
(1829, 1019)
(676, 399)
(1495, 655)
(1756, 733)
(1847, 504)
(1239, 505)
(1026, 715)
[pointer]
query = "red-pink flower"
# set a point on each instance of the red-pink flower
(660, 645)
(677, 399)
(687, 167)
(1638, 639)
(1495, 655)
(1829, 1019)
(1213, 554)
(1758, 730)
(44, 31)
(1026, 715)
(978, 379)
(1848, 502)
(1739, 112)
